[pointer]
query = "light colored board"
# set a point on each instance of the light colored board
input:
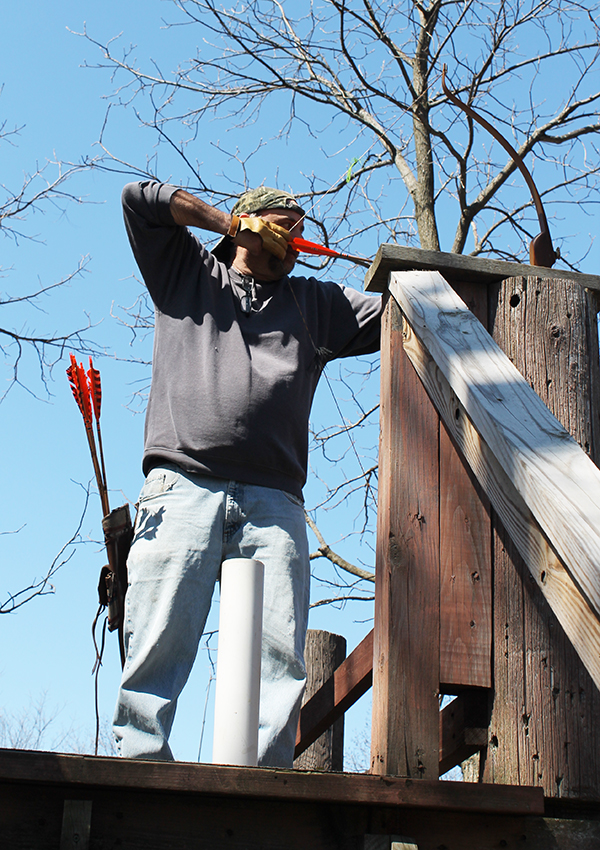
(557, 481)
(569, 605)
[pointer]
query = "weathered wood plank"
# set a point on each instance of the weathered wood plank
(543, 728)
(20, 766)
(503, 763)
(555, 478)
(465, 576)
(383, 709)
(393, 258)
(323, 654)
(475, 296)
(154, 820)
(465, 554)
(30, 818)
(405, 734)
(570, 606)
(76, 825)
(489, 833)
(349, 682)
(549, 332)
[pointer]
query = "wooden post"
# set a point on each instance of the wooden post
(324, 652)
(406, 667)
(546, 706)
(433, 586)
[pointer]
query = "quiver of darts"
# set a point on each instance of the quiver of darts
(118, 533)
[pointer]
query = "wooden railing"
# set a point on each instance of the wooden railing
(539, 482)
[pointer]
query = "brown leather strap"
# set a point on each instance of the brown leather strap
(234, 226)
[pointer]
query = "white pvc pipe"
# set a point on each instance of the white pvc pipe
(237, 695)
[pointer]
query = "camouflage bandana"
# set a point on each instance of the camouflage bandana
(264, 198)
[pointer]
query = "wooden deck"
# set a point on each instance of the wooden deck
(51, 801)
(469, 601)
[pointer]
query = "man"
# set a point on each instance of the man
(238, 350)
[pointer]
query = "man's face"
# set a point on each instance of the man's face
(267, 266)
(292, 221)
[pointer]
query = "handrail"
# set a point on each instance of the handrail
(540, 482)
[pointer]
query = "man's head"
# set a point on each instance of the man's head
(274, 206)
(256, 201)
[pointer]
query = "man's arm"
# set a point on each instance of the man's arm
(189, 211)
(252, 233)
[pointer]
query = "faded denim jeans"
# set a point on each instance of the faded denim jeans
(187, 525)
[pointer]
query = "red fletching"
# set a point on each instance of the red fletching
(95, 389)
(72, 376)
(80, 389)
(85, 394)
(313, 248)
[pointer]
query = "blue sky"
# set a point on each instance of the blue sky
(61, 105)
(46, 646)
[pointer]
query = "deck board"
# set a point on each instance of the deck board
(265, 783)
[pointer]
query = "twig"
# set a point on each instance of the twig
(325, 551)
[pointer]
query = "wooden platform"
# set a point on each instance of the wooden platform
(51, 801)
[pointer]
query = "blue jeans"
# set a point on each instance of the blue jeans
(187, 524)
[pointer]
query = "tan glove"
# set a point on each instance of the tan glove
(274, 238)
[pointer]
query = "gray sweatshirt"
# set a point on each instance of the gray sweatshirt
(232, 390)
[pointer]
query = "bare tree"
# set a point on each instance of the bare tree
(42, 585)
(374, 69)
(398, 162)
(44, 187)
(39, 726)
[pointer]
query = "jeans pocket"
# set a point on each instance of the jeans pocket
(158, 481)
(295, 500)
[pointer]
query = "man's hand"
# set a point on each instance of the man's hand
(250, 232)
(273, 237)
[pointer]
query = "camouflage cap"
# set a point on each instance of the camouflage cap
(265, 198)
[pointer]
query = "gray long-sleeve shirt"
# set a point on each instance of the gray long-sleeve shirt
(231, 391)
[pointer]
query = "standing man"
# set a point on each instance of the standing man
(238, 349)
